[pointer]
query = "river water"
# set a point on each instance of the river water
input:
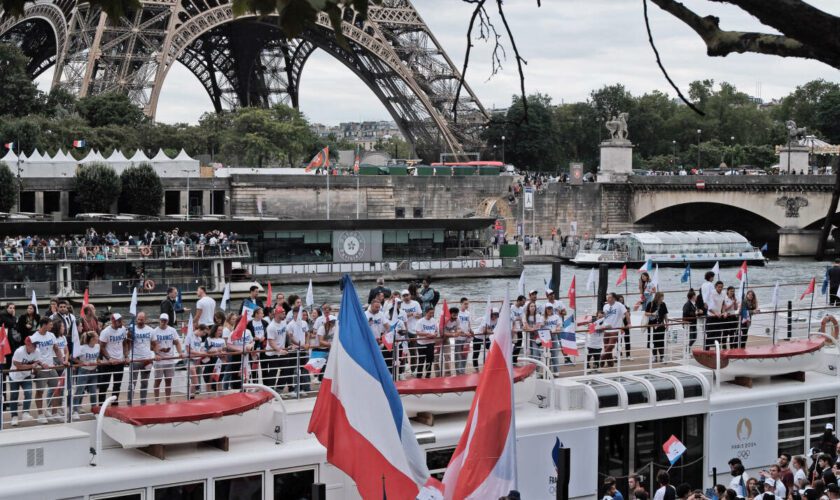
(793, 276)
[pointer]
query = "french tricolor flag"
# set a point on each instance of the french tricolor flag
(359, 417)
(80, 143)
(316, 363)
(568, 340)
(673, 448)
(646, 267)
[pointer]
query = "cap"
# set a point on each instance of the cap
(548, 291)
(814, 451)
(164, 316)
(116, 317)
(28, 341)
(330, 318)
(549, 306)
(829, 427)
(405, 292)
(769, 481)
(494, 311)
(532, 292)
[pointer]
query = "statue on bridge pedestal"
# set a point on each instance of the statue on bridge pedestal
(794, 133)
(618, 127)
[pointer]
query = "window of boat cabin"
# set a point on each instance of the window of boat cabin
(633, 447)
(691, 385)
(637, 392)
(294, 484)
(121, 495)
(437, 460)
(184, 491)
(239, 488)
(607, 394)
(802, 424)
(665, 390)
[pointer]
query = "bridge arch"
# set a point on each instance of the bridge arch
(499, 208)
(41, 33)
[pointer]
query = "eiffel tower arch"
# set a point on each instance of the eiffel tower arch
(248, 61)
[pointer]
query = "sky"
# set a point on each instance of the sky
(572, 47)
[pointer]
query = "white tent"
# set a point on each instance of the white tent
(36, 157)
(10, 158)
(161, 157)
(139, 157)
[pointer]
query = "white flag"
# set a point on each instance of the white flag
(310, 298)
(76, 341)
(225, 297)
(521, 288)
(716, 269)
(132, 308)
(741, 287)
(487, 313)
(34, 300)
(591, 280)
(775, 299)
(655, 281)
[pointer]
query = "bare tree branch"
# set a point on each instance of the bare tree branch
(478, 8)
(520, 61)
(722, 43)
(661, 67)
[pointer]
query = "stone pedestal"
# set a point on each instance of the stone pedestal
(795, 242)
(798, 159)
(616, 160)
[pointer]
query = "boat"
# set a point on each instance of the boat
(437, 395)
(663, 248)
(783, 358)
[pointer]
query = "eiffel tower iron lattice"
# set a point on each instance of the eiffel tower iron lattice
(248, 61)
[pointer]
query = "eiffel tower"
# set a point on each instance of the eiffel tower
(248, 61)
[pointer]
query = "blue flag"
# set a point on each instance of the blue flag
(825, 283)
(764, 248)
(686, 275)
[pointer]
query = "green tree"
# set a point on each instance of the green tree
(97, 187)
(8, 188)
(20, 95)
(142, 191)
(259, 136)
(611, 100)
(533, 143)
(828, 116)
(111, 108)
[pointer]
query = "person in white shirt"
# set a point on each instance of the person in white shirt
(427, 336)
(771, 489)
(517, 311)
(204, 308)
(216, 346)
(482, 337)
(26, 361)
(326, 311)
(464, 337)
(275, 363)
(413, 312)
(773, 477)
(554, 324)
(166, 345)
(113, 349)
(531, 323)
(800, 475)
(196, 359)
(140, 343)
(595, 343)
(46, 377)
(614, 315)
(551, 300)
(377, 320)
(665, 490)
(715, 321)
(87, 378)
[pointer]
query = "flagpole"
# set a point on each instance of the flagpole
(810, 310)
(775, 314)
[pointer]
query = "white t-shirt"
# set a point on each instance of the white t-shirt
(113, 342)
(377, 322)
(61, 342)
(595, 340)
(798, 476)
(483, 332)
(208, 308)
(614, 315)
(716, 302)
(739, 483)
(424, 325)
(143, 343)
(44, 344)
(165, 340)
(88, 354)
(259, 329)
(516, 314)
(217, 343)
(276, 332)
(464, 318)
(557, 305)
(323, 334)
(195, 343)
(246, 338)
(21, 356)
(409, 308)
(706, 290)
(554, 323)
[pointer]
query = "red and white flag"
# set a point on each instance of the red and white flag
(317, 362)
(742, 271)
(320, 160)
(545, 337)
(217, 370)
(483, 465)
(810, 288)
(268, 296)
(573, 295)
(5, 348)
(239, 331)
(623, 276)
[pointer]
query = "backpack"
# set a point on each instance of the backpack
(435, 299)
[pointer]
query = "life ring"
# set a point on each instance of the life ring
(835, 328)
(149, 285)
(482, 263)
(145, 251)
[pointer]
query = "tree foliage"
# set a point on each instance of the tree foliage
(111, 108)
(531, 143)
(142, 191)
(20, 95)
(8, 188)
(257, 136)
(97, 187)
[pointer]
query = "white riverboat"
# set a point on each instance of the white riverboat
(664, 248)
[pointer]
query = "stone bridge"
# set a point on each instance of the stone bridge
(792, 207)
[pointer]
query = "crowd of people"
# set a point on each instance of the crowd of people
(792, 477)
(95, 246)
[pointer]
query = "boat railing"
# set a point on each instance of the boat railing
(124, 252)
(409, 265)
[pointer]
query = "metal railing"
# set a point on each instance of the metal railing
(124, 252)
(379, 266)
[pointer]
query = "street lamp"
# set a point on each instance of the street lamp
(187, 171)
(732, 155)
(495, 156)
(698, 148)
(674, 161)
(503, 149)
